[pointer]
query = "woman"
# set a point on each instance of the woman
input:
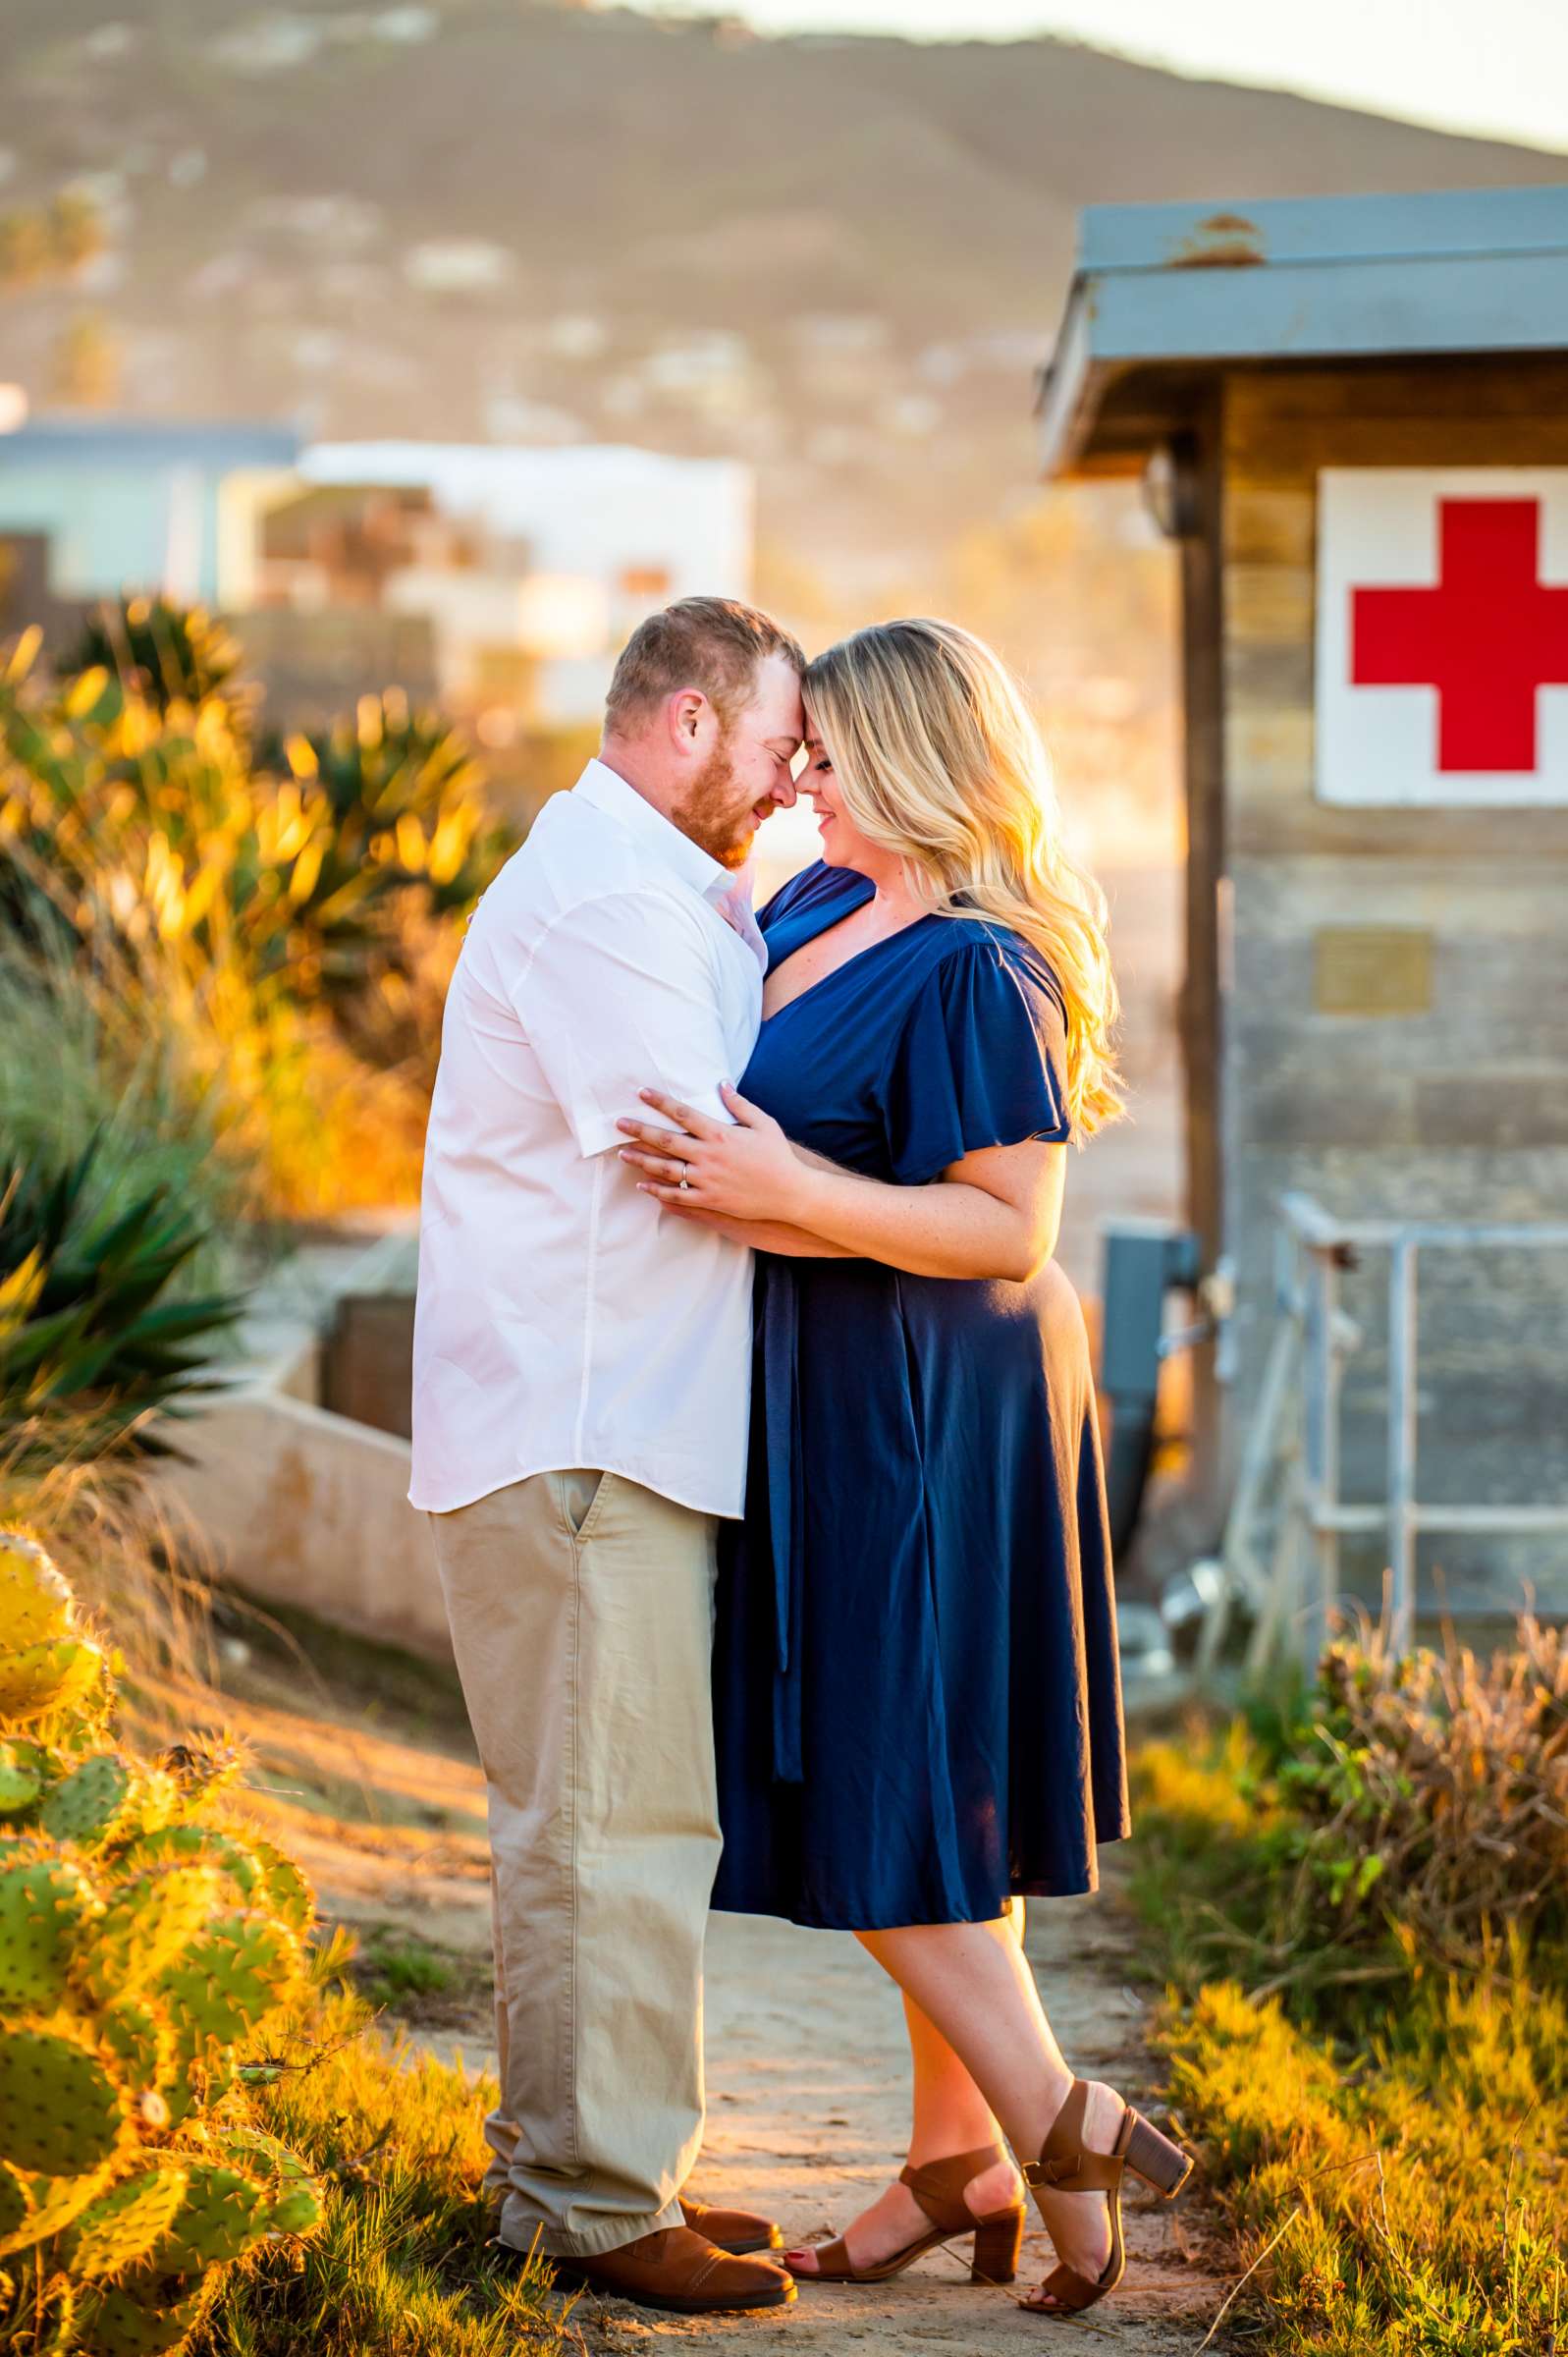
(917, 1697)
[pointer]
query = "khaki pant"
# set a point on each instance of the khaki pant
(581, 1611)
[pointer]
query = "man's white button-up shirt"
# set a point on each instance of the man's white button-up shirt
(563, 1319)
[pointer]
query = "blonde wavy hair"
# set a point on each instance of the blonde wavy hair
(939, 762)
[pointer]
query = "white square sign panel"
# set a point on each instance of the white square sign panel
(1442, 636)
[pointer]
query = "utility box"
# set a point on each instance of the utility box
(1352, 418)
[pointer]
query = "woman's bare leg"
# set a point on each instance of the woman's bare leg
(950, 2115)
(972, 1983)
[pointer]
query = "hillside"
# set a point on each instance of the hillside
(840, 258)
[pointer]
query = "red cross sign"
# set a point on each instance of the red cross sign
(1442, 636)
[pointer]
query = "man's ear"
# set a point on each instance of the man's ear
(686, 712)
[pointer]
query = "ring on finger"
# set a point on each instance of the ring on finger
(686, 1178)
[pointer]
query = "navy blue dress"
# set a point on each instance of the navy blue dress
(917, 1698)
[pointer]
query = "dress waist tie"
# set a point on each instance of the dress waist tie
(778, 1320)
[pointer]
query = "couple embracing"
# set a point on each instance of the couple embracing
(755, 1424)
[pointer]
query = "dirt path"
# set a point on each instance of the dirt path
(808, 2095)
(807, 2067)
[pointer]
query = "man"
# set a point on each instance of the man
(580, 1401)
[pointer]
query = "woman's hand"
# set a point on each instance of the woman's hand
(747, 1169)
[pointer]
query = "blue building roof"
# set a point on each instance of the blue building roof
(1169, 288)
(219, 448)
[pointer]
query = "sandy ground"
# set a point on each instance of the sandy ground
(808, 2096)
(807, 2066)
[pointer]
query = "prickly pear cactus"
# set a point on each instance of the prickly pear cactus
(142, 1943)
(49, 1666)
(41, 1679)
(62, 2106)
(287, 1895)
(105, 1800)
(35, 1600)
(128, 2221)
(235, 1973)
(223, 2213)
(25, 1770)
(141, 2040)
(15, 2204)
(142, 2315)
(46, 2205)
(46, 1907)
(148, 1921)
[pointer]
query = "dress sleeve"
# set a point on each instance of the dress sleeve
(980, 1061)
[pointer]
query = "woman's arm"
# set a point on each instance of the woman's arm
(767, 1236)
(994, 1213)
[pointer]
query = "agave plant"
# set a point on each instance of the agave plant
(89, 1321)
(168, 653)
(128, 818)
(34, 898)
(137, 827)
(404, 791)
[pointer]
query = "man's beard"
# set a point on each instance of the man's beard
(708, 814)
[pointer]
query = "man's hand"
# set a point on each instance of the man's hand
(744, 1170)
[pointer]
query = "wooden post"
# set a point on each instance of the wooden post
(1198, 459)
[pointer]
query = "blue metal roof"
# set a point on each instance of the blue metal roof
(219, 447)
(1467, 270)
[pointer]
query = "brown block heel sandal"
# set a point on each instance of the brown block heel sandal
(1067, 2165)
(939, 2187)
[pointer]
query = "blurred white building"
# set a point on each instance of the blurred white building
(563, 552)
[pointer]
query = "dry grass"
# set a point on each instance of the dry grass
(1410, 2192)
(196, 1073)
(137, 1571)
(1412, 1816)
(1374, 2060)
(402, 2267)
(313, 1129)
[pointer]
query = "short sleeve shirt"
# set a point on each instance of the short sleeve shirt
(563, 1318)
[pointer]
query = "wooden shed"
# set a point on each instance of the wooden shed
(1352, 417)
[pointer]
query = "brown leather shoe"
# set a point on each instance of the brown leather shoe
(680, 2269)
(736, 2231)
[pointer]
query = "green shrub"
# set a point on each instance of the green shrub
(405, 793)
(396, 1965)
(158, 984)
(1431, 1791)
(1410, 1806)
(128, 822)
(91, 1058)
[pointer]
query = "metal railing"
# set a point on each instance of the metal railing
(1306, 1365)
